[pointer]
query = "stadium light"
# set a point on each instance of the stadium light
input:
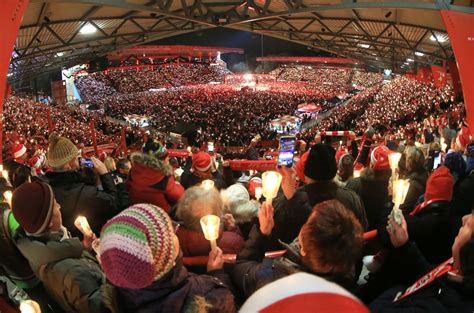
(440, 38)
(364, 45)
(410, 60)
(59, 54)
(420, 54)
(88, 29)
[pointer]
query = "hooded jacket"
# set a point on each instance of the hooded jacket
(150, 184)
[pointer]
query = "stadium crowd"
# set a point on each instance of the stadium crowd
(336, 233)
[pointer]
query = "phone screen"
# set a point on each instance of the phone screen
(287, 151)
(210, 147)
(86, 162)
(436, 159)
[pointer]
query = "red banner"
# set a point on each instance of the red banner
(178, 153)
(245, 165)
(456, 80)
(439, 76)
(461, 34)
(11, 14)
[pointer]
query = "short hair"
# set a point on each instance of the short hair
(417, 159)
(109, 164)
(332, 237)
(121, 163)
(197, 202)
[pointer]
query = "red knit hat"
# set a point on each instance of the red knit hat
(253, 184)
(17, 150)
(379, 158)
(303, 293)
(201, 161)
(299, 167)
(439, 187)
(32, 206)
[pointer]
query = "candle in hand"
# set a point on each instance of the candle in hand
(7, 195)
(271, 181)
(29, 306)
(210, 227)
(258, 193)
(207, 184)
(82, 224)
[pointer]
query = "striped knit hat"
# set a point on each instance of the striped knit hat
(136, 246)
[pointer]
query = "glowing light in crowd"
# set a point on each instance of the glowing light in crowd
(29, 306)
(399, 192)
(7, 195)
(82, 224)
(393, 159)
(271, 181)
(210, 227)
(258, 193)
(207, 184)
(356, 173)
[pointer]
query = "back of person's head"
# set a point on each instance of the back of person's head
(123, 165)
(379, 158)
(109, 163)
(202, 161)
(415, 159)
(303, 293)
(331, 238)
(345, 167)
(321, 163)
(32, 206)
(138, 246)
(197, 202)
(22, 174)
(61, 152)
(152, 162)
(456, 164)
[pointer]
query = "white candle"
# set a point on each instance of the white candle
(207, 184)
(82, 224)
(258, 193)
(356, 173)
(7, 195)
(271, 181)
(29, 306)
(210, 227)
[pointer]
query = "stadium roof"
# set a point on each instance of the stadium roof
(57, 33)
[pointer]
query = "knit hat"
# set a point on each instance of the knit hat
(321, 162)
(299, 167)
(61, 150)
(253, 184)
(439, 187)
(17, 150)
(456, 164)
(136, 246)
(241, 207)
(201, 161)
(379, 158)
(303, 293)
(32, 206)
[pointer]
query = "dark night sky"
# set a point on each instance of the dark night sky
(250, 42)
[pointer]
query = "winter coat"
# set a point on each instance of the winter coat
(178, 291)
(70, 275)
(253, 271)
(123, 201)
(416, 189)
(290, 215)
(463, 196)
(150, 185)
(193, 243)
(12, 262)
(442, 295)
(372, 188)
(77, 198)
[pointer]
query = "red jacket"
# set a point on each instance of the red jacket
(148, 185)
(193, 243)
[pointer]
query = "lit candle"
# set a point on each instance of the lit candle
(1, 167)
(394, 159)
(189, 149)
(399, 193)
(5, 174)
(207, 184)
(29, 306)
(356, 173)
(258, 193)
(7, 195)
(271, 181)
(210, 227)
(82, 224)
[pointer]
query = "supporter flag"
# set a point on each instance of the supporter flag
(439, 76)
(456, 80)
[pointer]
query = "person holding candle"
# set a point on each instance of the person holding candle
(67, 270)
(198, 168)
(140, 255)
(321, 248)
(196, 203)
(71, 191)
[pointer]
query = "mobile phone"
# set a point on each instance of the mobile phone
(210, 146)
(436, 159)
(287, 151)
(86, 162)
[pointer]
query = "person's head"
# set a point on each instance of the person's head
(456, 164)
(379, 158)
(331, 239)
(321, 163)
(197, 202)
(22, 174)
(62, 154)
(202, 162)
(18, 152)
(415, 159)
(138, 246)
(124, 166)
(35, 209)
(110, 164)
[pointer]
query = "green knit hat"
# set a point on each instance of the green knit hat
(61, 150)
